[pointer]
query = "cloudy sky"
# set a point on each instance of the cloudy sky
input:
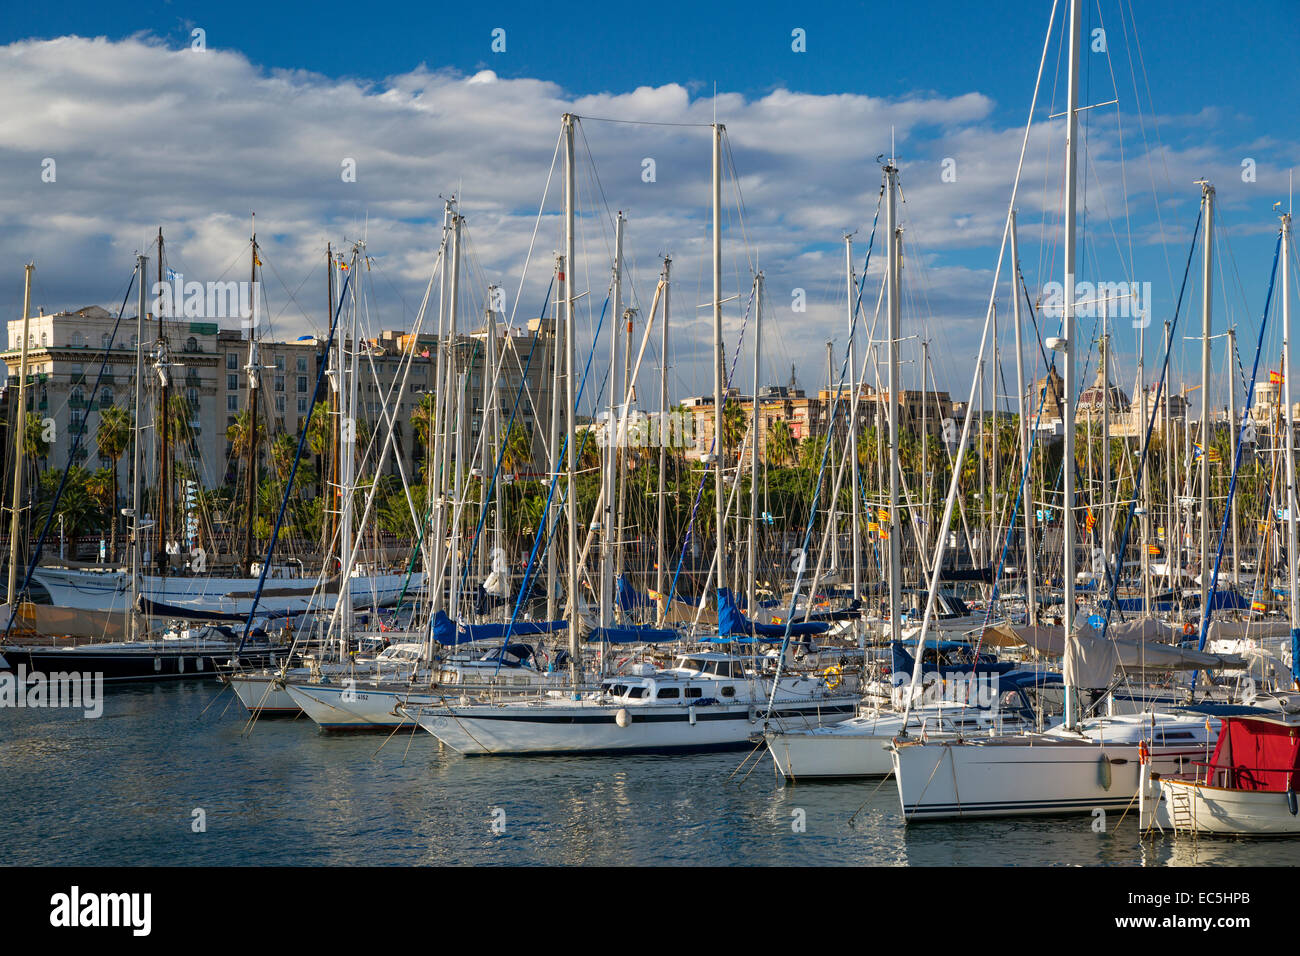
(146, 130)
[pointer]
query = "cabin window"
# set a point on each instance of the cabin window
(636, 693)
(693, 692)
(728, 691)
(669, 693)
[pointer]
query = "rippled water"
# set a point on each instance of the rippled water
(121, 790)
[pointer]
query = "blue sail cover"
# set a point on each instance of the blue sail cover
(447, 634)
(634, 635)
(986, 663)
(731, 622)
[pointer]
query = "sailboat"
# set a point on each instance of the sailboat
(1082, 764)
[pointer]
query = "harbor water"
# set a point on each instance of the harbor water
(172, 774)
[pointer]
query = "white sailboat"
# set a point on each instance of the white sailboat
(1079, 765)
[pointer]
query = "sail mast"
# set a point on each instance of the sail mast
(20, 431)
(570, 364)
(893, 276)
(1293, 594)
(662, 523)
(754, 439)
(250, 452)
(1207, 302)
(134, 611)
(719, 379)
(1031, 597)
(1067, 331)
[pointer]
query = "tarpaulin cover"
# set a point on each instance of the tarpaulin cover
(1257, 755)
(447, 634)
(732, 622)
(633, 635)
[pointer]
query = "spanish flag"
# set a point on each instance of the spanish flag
(1274, 378)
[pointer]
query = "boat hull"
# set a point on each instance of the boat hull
(1218, 810)
(1033, 775)
(547, 729)
(121, 663)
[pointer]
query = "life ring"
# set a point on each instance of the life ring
(832, 677)
(1144, 755)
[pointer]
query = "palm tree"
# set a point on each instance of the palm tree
(780, 443)
(113, 436)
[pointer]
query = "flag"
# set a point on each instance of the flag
(1153, 550)
(1274, 378)
(1215, 456)
(1258, 606)
(1092, 520)
(884, 515)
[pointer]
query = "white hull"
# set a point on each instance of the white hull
(859, 747)
(263, 696)
(1036, 774)
(111, 591)
(1226, 812)
(338, 706)
(589, 726)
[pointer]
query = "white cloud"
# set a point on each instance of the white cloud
(193, 141)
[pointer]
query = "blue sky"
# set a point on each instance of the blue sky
(955, 77)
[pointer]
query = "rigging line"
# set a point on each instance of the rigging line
(542, 521)
(1236, 465)
(1156, 411)
(496, 471)
(302, 440)
(932, 591)
(537, 224)
(72, 455)
(627, 122)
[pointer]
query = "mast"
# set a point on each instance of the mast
(20, 433)
(552, 516)
(454, 450)
(442, 407)
(570, 385)
(347, 345)
(1031, 597)
(1293, 595)
(250, 453)
(893, 271)
(855, 525)
(1106, 524)
(662, 524)
(332, 475)
(752, 563)
(141, 262)
(612, 438)
(1146, 476)
(1233, 426)
(1207, 432)
(719, 396)
(1067, 323)
(164, 437)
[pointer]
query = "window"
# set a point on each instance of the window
(78, 340)
(302, 383)
(279, 404)
(302, 406)
(232, 382)
(279, 383)
(103, 341)
(191, 344)
(728, 691)
(232, 361)
(279, 363)
(232, 403)
(636, 693)
(669, 693)
(302, 363)
(45, 338)
(693, 692)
